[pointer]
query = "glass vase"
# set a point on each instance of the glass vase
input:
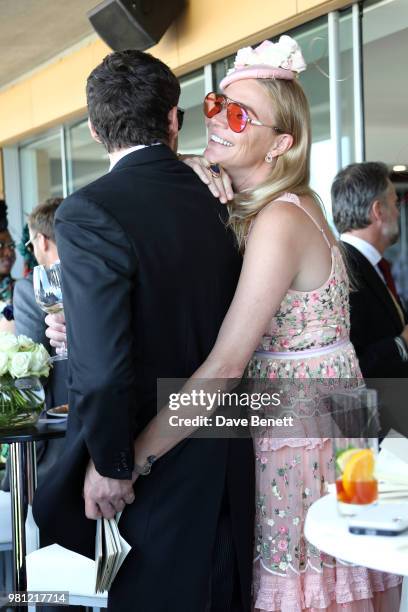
(21, 402)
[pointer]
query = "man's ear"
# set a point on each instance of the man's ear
(173, 124)
(376, 212)
(93, 132)
(42, 242)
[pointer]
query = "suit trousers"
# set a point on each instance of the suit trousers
(224, 592)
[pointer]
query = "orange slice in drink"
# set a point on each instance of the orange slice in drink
(359, 468)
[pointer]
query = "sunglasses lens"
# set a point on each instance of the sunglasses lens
(237, 117)
(213, 104)
(180, 117)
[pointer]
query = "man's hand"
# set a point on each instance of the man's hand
(105, 496)
(56, 330)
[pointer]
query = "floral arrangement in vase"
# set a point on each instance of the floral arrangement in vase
(22, 363)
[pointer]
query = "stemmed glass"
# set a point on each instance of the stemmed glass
(48, 295)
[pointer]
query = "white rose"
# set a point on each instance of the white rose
(20, 365)
(25, 343)
(3, 363)
(271, 522)
(283, 565)
(39, 363)
(8, 343)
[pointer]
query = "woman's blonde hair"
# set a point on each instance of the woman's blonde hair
(291, 172)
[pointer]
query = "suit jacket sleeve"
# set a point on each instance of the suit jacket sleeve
(371, 355)
(98, 270)
(28, 316)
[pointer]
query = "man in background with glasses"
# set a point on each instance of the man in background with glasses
(29, 321)
(29, 318)
(366, 213)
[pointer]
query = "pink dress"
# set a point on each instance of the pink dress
(308, 338)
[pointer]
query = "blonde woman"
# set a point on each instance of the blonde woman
(289, 319)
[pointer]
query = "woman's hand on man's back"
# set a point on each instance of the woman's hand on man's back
(220, 186)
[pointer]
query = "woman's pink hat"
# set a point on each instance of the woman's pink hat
(281, 60)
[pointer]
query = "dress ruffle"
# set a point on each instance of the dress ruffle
(339, 585)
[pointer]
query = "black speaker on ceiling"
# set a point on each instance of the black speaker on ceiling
(133, 24)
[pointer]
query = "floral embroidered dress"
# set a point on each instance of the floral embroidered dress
(308, 339)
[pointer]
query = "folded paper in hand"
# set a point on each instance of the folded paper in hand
(110, 552)
(54, 568)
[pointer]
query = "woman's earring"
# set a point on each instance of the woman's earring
(269, 157)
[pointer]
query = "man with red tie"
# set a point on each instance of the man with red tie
(366, 213)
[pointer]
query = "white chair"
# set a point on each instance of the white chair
(54, 568)
(404, 595)
(5, 541)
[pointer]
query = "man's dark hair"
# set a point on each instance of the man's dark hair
(353, 192)
(41, 219)
(129, 96)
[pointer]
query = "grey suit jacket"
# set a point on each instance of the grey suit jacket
(28, 316)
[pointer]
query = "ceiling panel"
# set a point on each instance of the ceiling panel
(33, 31)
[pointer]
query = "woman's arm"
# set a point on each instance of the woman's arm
(271, 263)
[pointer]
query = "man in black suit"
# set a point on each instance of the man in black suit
(366, 213)
(149, 271)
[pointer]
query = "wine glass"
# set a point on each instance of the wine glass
(48, 294)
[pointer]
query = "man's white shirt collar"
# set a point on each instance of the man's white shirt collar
(117, 155)
(366, 249)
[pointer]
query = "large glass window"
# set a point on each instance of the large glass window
(192, 137)
(41, 170)
(86, 159)
(313, 40)
(385, 38)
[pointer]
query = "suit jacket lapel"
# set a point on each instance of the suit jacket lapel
(368, 272)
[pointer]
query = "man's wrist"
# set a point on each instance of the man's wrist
(402, 347)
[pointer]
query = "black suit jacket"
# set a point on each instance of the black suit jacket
(149, 270)
(374, 320)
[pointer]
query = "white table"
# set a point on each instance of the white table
(327, 530)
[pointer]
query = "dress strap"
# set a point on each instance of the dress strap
(294, 199)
